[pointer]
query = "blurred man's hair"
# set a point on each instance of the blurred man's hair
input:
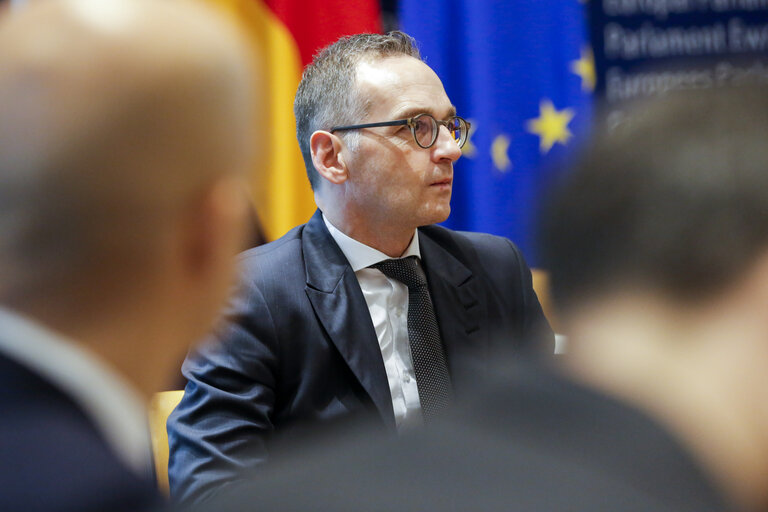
(328, 96)
(673, 200)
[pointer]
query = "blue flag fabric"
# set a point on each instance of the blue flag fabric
(522, 73)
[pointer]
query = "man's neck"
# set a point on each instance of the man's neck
(391, 240)
(679, 370)
(123, 338)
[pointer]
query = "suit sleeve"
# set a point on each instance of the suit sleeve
(225, 417)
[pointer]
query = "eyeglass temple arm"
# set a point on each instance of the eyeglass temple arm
(368, 125)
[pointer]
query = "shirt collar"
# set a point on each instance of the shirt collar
(111, 403)
(361, 256)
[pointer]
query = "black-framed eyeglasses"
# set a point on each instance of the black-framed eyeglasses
(424, 128)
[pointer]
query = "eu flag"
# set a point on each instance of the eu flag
(522, 73)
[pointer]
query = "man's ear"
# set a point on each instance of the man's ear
(210, 233)
(327, 158)
(216, 227)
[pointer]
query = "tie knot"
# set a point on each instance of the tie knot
(405, 270)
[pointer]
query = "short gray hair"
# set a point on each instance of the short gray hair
(327, 94)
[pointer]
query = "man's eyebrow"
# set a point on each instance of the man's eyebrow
(413, 111)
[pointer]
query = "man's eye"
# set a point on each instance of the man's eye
(421, 126)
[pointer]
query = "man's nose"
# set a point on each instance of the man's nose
(445, 146)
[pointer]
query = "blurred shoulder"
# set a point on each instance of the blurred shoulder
(60, 459)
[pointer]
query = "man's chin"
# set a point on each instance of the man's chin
(437, 217)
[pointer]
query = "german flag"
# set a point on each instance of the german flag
(291, 32)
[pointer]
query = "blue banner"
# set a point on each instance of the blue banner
(648, 48)
(522, 72)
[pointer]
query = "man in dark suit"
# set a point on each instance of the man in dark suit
(657, 244)
(368, 307)
(124, 130)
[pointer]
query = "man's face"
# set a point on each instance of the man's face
(391, 179)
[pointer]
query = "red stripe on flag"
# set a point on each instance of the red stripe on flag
(317, 23)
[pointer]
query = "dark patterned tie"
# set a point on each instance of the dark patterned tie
(429, 362)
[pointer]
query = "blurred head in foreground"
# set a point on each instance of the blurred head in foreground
(124, 137)
(657, 246)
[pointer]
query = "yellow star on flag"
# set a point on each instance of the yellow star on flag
(585, 68)
(499, 155)
(551, 125)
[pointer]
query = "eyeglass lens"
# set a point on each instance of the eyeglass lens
(425, 130)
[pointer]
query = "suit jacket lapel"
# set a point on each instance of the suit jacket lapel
(338, 302)
(459, 308)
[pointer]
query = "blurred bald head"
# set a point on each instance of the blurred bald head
(115, 114)
(125, 134)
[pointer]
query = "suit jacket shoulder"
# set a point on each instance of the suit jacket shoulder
(483, 252)
(54, 458)
(514, 315)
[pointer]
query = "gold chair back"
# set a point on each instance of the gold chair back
(160, 407)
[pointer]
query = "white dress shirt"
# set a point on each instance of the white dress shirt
(387, 301)
(111, 403)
